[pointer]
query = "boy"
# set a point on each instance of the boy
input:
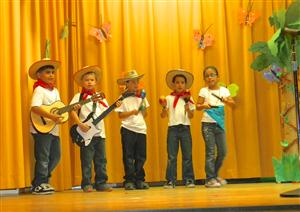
(88, 77)
(133, 133)
(46, 145)
(179, 107)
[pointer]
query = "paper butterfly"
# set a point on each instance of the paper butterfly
(204, 39)
(248, 17)
(101, 34)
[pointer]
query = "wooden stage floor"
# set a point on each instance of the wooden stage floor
(232, 197)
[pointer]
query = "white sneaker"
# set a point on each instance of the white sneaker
(221, 181)
(213, 183)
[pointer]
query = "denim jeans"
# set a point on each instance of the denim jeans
(214, 136)
(96, 152)
(134, 155)
(47, 156)
(179, 134)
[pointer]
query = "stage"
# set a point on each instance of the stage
(232, 197)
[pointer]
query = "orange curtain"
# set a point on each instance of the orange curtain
(151, 37)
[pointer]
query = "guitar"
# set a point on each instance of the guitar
(84, 138)
(45, 125)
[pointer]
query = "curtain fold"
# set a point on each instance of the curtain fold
(151, 37)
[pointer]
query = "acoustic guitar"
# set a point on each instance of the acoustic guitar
(45, 125)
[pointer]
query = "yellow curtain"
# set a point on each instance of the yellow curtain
(151, 37)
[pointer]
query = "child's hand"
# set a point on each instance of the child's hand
(76, 107)
(205, 105)
(187, 107)
(57, 118)
(84, 127)
(119, 103)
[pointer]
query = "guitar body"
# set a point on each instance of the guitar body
(45, 125)
(84, 138)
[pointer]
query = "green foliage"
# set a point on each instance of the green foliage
(47, 49)
(287, 168)
(278, 49)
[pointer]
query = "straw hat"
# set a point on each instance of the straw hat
(172, 73)
(41, 63)
(94, 69)
(129, 75)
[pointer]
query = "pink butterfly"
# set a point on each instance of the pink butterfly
(204, 39)
(248, 17)
(101, 34)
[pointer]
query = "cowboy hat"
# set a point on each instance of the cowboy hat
(129, 75)
(172, 73)
(87, 69)
(35, 67)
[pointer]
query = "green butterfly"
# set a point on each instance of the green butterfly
(233, 88)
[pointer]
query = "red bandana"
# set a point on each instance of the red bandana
(186, 95)
(85, 93)
(43, 84)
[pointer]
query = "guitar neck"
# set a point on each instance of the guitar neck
(68, 108)
(105, 113)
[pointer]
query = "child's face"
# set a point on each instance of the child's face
(132, 85)
(211, 77)
(89, 81)
(47, 75)
(179, 83)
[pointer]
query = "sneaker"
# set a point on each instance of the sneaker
(169, 184)
(190, 184)
(129, 186)
(103, 187)
(213, 183)
(42, 189)
(142, 185)
(87, 188)
(221, 181)
(50, 188)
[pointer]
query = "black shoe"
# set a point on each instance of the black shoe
(142, 185)
(129, 186)
(103, 187)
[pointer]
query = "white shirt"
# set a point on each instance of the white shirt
(135, 123)
(86, 109)
(178, 115)
(206, 93)
(44, 96)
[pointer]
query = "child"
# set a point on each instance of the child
(179, 107)
(46, 145)
(88, 77)
(133, 133)
(212, 100)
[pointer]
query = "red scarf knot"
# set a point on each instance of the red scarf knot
(43, 84)
(186, 95)
(85, 93)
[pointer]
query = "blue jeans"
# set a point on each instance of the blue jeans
(179, 134)
(134, 155)
(47, 156)
(96, 152)
(214, 136)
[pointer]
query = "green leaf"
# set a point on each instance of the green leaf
(293, 13)
(262, 61)
(47, 49)
(222, 84)
(65, 30)
(298, 51)
(261, 47)
(284, 143)
(272, 44)
(278, 19)
(233, 89)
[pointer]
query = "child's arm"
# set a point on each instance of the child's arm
(228, 101)
(40, 111)
(189, 111)
(201, 105)
(84, 127)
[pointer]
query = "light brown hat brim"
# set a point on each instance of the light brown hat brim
(41, 63)
(172, 73)
(87, 69)
(122, 81)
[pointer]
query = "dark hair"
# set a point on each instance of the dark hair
(179, 75)
(210, 67)
(43, 68)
